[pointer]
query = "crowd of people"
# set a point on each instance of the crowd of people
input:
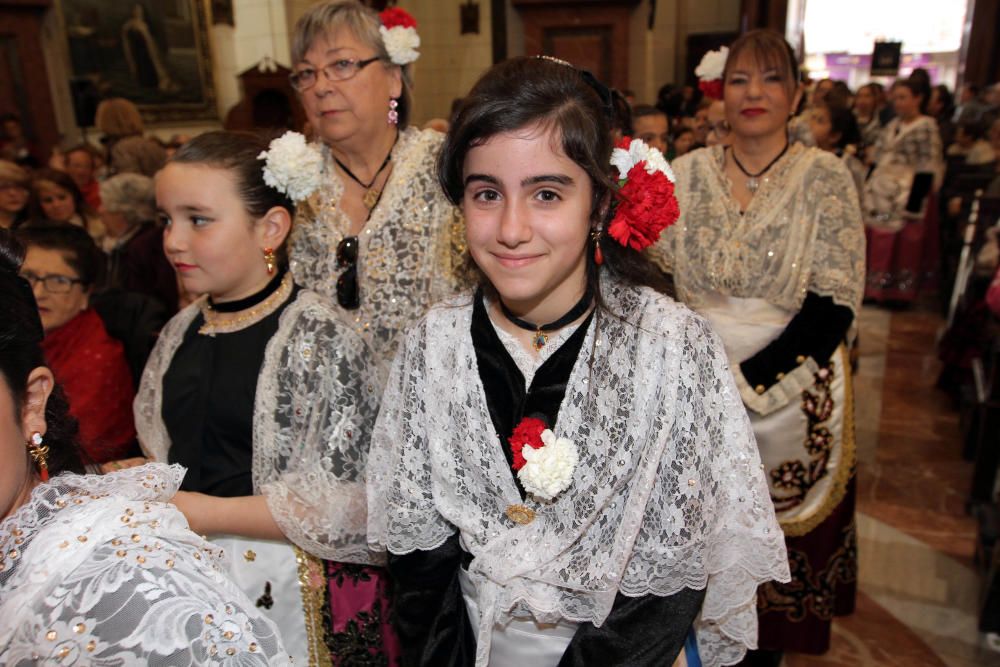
(521, 392)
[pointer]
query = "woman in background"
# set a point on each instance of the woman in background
(63, 266)
(770, 248)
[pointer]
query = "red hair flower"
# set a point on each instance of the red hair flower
(397, 16)
(712, 89)
(646, 204)
(528, 432)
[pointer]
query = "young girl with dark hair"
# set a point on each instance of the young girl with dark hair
(562, 472)
(266, 397)
(98, 568)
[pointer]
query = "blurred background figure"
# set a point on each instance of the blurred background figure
(15, 190)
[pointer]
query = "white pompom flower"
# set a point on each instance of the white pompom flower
(548, 470)
(292, 166)
(712, 65)
(638, 151)
(401, 43)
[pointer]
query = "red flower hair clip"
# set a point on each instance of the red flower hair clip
(646, 203)
(399, 34)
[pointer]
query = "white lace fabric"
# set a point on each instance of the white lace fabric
(107, 572)
(409, 250)
(902, 150)
(317, 397)
(668, 493)
(802, 232)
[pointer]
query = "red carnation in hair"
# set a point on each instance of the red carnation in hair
(711, 88)
(395, 16)
(646, 206)
(528, 432)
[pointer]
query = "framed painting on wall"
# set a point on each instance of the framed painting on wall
(153, 52)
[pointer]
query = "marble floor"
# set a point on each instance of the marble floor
(919, 589)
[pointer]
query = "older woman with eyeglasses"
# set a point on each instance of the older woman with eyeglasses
(62, 265)
(379, 237)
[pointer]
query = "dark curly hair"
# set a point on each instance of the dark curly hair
(20, 353)
(526, 91)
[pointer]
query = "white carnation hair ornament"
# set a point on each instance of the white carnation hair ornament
(292, 166)
(709, 72)
(399, 34)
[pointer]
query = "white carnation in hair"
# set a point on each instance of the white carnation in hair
(548, 470)
(292, 166)
(401, 43)
(638, 151)
(712, 64)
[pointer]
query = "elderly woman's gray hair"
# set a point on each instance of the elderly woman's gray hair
(132, 195)
(326, 18)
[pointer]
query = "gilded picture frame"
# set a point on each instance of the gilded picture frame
(156, 53)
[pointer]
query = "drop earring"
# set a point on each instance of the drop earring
(40, 454)
(393, 114)
(595, 236)
(270, 260)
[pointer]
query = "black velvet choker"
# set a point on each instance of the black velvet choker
(540, 339)
(253, 299)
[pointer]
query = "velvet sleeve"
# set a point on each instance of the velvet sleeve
(639, 632)
(816, 331)
(430, 617)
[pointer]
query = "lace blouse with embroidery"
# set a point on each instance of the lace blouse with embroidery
(668, 493)
(902, 151)
(101, 569)
(409, 251)
(316, 401)
(801, 233)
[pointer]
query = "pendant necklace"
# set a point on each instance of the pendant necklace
(540, 338)
(372, 195)
(753, 182)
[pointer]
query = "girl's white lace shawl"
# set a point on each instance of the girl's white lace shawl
(802, 232)
(409, 250)
(316, 402)
(106, 571)
(668, 494)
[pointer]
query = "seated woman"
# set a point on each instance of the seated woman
(562, 471)
(134, 243)
(55, 197)
(14, 193)
(63, 265)
(98, 569)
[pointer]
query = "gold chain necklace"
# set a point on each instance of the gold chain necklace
(216, 324)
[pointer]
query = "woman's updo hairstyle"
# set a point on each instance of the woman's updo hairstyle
(21, 352)
(236, 152)
(543, 93)
(325, 18)
(768, 50)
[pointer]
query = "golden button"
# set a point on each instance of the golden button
(520, 514)
(759, 389)
(800, 359)
(780, 377)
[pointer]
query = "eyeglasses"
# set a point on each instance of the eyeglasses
(347, 283)
(53, 283)
(720, 129)
(338, 70)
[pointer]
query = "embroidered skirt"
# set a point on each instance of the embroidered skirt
(329, 614)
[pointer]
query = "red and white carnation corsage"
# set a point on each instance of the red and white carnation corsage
(709, 72)
(646, 203)
(399, 34)
(543, 462)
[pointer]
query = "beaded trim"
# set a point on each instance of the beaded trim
(246, 318)
(312, 587)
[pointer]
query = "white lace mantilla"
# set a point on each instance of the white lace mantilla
(802, 232)
(102, 570)
(317, 397)
(903, 149)
(668, 493)
(408, 251)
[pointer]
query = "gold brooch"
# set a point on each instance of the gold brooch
(520, 514)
